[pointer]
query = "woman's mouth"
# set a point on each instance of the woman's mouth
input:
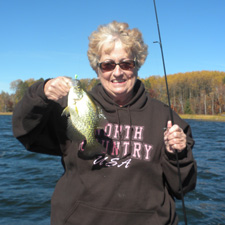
(118, 81)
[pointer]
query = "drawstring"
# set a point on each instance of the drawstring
(118, 121)
(131, 128)
(120, 134)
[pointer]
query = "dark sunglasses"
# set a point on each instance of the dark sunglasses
(111, 65)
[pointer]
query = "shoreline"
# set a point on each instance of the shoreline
(6, 113)
(219, 118)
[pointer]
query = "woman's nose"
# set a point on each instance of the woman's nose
(117, 71)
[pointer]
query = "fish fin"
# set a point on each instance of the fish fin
(75, 107)
(100, 112)
(102, 121)
(66, 112)
(92, 150)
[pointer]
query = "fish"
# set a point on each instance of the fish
(84, 117)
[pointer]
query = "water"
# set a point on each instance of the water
(206, 204)
(27, 179)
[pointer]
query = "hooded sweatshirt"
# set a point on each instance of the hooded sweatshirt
(134, 181)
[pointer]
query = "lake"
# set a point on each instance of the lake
(27, 180)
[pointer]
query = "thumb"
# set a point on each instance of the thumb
(169, 124)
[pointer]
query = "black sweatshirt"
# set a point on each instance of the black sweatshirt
(134, 182)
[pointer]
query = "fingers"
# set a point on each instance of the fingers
(56, 88)
(174, 138)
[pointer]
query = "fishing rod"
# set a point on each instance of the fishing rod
(171, 114)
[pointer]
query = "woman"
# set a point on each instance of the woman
(136, 181)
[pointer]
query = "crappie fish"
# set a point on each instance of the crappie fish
(84, 117)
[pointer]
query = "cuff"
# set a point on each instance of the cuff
(181, 155)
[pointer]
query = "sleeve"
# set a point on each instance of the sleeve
(36, 122)
(187, 164)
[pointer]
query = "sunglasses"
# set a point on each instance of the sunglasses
(111, 65)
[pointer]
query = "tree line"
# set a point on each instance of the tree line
(198, 92)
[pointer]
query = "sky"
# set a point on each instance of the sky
(49, 38)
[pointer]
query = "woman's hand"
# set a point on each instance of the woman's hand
(174, 138)
(56, 88)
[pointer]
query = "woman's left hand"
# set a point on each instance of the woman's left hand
(174, 138)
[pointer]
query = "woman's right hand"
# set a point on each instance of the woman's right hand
(57, 88)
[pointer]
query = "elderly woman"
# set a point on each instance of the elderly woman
(135, 181)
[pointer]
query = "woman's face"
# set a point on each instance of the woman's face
(118, 82)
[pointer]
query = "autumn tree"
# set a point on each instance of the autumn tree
(20, 87)
(201, 92)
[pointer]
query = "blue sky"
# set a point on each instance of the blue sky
(49, 38)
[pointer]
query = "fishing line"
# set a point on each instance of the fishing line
(171, 114)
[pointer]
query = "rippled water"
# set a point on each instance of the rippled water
(206, 204)
(27, 180)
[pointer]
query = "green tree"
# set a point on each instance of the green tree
(187, 107)
(224, 80)
(6, 103)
